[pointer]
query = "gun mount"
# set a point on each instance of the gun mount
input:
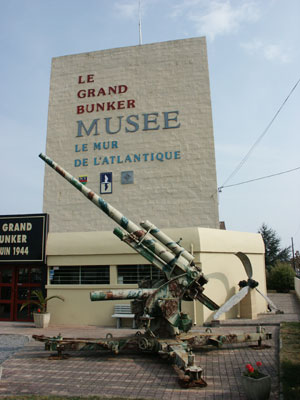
(157, 306)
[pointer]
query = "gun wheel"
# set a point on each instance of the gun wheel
(187, 383)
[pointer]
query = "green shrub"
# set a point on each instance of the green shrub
(290, 360)
(281, 278)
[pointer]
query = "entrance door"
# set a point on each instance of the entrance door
(16, 286)
(7, 277)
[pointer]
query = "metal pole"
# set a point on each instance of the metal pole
(293, 253)
(140, 24)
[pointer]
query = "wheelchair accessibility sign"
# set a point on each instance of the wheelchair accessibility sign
(105, 182)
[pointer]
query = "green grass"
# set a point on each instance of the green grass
(290, 360)
(33, 397)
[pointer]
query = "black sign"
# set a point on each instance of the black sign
(23, 238)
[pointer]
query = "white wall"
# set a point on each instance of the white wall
(169, 77)
(214, 249)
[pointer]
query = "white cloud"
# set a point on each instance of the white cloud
(127, 9)
(184, 6)
(217, 17)
(271, 52)
(276, 52)
(130, 8)
(252, 47)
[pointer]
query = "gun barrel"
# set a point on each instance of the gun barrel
(166, 240)
(139, 234)
(143, 251)
(97, 200)
(129, 294)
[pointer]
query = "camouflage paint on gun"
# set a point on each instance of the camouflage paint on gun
(166, 240)
(119, 294)
(138, 238)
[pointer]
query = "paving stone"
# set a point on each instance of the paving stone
(10, 343)
(29, 371)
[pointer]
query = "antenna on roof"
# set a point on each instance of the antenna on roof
(140, 23)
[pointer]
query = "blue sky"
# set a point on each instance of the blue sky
(253, 54)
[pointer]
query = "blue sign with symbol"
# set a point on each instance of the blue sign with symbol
(105, 182)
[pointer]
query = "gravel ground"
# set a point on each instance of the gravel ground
(9, 344)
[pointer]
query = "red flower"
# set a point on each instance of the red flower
(253, 373)
(38, 310)
(250, 368)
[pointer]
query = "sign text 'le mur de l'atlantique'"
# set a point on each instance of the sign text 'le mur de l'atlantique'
(132, 123)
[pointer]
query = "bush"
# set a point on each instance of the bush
(281, 278)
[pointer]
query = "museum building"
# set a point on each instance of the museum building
(134, 125)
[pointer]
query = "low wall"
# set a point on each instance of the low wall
(297, 286)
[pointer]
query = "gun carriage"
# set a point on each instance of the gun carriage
(157, 305)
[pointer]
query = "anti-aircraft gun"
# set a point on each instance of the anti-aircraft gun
(157, 308)
(156, 305)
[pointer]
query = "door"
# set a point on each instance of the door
(28, 279)
(16, 286)
(7, 277)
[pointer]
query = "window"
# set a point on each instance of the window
(83, 275)
(128, 274)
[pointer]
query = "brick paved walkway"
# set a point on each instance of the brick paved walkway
(29, 371)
